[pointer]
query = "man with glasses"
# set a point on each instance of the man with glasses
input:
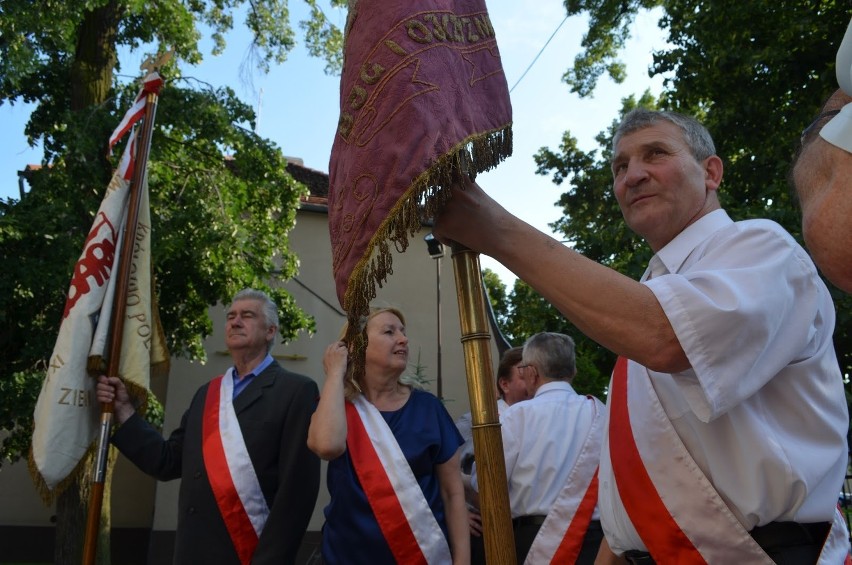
(551, 443)
(821, 176)
(726, 411)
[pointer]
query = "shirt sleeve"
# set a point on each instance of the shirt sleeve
(838, 131)
(750, 306)
(511, 448)
(844, 61)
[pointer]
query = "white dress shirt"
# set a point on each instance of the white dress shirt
(838, 131)
(762, 410)
(542, 438)
(465, 427)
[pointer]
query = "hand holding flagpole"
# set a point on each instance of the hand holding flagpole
(138, 188)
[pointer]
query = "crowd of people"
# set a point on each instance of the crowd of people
(723, 439)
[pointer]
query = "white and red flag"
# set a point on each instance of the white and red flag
(66, 417)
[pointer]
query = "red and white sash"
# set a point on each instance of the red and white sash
(400, 508)
(561, 536)
(229, 469)
(664, 492)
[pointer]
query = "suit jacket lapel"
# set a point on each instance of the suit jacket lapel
(255, 389)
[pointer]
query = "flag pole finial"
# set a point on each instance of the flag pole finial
(153, 63)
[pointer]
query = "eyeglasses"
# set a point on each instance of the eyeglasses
(808, 130)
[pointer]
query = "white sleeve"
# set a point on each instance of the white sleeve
(838, 131)
(844, 61)
(742, 313)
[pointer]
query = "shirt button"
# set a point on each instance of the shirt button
(191, 510)
(198, 474)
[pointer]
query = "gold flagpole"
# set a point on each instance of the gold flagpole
(487, 438)
(117, 325)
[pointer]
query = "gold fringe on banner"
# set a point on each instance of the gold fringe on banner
(419, 204)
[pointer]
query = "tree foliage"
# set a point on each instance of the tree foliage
(755, 74)
(523, 312)
(496, 291)
(222, 200)
(43, 39)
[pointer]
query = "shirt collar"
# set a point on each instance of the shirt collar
(553, 386)
(675, 253)
(267, 361)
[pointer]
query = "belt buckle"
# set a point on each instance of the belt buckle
(635, 557)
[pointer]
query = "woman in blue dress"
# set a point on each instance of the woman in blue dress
(381, 437)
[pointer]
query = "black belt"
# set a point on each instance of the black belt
(773, 535)
(782, 534)
(532, 520)
(635, 557)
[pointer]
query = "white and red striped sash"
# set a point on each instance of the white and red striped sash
(230, 471)
(665, 494)
(561, 536)
(400, 508)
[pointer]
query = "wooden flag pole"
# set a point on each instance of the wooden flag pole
(116, 325)
(487, 438)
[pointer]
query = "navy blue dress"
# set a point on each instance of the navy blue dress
(427, 436)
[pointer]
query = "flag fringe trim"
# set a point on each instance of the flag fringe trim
(138, 393)
(48, 496)
(421, 202)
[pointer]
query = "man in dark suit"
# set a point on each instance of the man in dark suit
(249, 482)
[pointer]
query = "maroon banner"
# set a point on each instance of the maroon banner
(423, 97)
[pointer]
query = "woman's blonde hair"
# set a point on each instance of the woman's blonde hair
(355, 371)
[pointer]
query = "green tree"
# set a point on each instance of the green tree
(530, 314)
(523, 312)
(222, 201)
(496, 291)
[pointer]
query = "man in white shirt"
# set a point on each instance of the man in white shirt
(727, 416)
(822, 177)
(544, 438)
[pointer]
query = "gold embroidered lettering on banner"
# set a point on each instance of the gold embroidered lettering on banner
(422, 31)
(74, 397)
(56, 363)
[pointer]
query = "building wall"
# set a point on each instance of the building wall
(140, 502)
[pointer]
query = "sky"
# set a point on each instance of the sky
(298, 105)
